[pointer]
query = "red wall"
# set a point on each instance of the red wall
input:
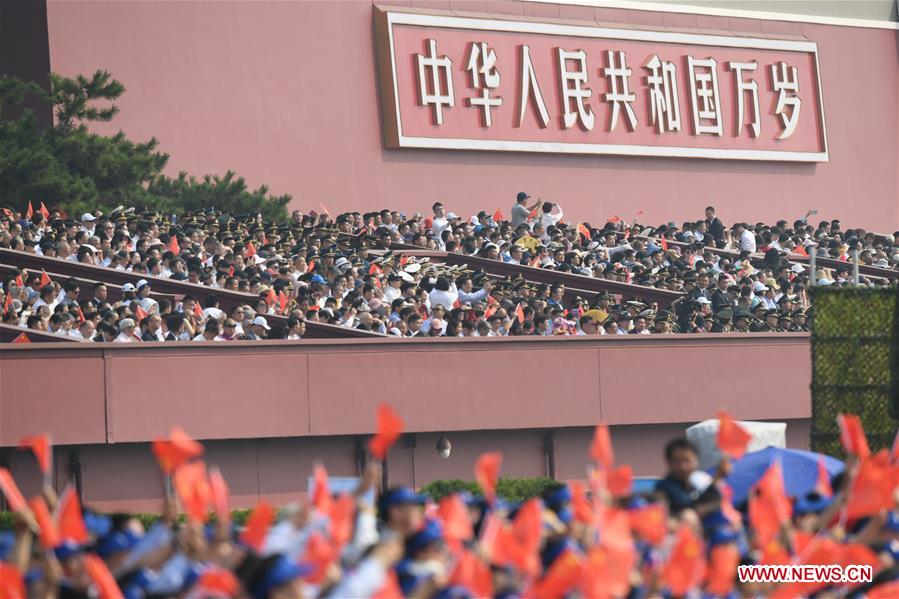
(285, 93)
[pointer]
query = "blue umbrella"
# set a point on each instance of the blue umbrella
(800, 470)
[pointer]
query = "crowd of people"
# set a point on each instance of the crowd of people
(322, 269)
(687, 538)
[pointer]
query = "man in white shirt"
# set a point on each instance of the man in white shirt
(88, 223)
(440, 223)
(552, 214)
(746, 237)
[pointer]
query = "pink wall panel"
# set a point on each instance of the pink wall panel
(62, 396)
(286, 464)
(262, 87)
(123, 476)
(219, 394)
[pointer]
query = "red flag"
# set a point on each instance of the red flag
(19, 281)
(343, 511)
(532, 213)
(310, 267)
(321, 494)
(7, 212)
(250, 249)
(30, 211)
(139, 313)
(873, 487)
(177, 449)
(45, 278)
(472, 573)
(174, 247)
(453, 512)
(270, 297)
(723, 562)
(282, 302)
(564, 573)
(620, 481)
(852, 435)
(7, 303)
(403, 260)
(884, 590)
(70, 519)
(580, 505)
(11, 490)
(800, 250)
(22, 338)
(684, 569)
(257, 526)
(769, 507)
(390, 427)
(107, 588)
(664, 243)
(192, 486)
(650, 522)
(218, 581)
(614, 219)
(627, 234)
(727, 505)
(601, 449)
(12, 585)
(607, 572)
(486, 473)
(41, 447)
(81, 317)
(822, 487)
(374, 269)
(44, 211)
(49, 533)
(320, 553)
(732, 438)
(518, 544)
(198, 311)
(324, 209)
(519, 314)
(498, 215)
(583, 230)
(220, 494)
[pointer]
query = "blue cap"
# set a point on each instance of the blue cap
(558, 498)
(97, 525)
(67, 550)
(892, 523)
(280, 571)
(431, 532)
(722, 536)
(714, 520)
(811, 503)
(7, 540)
(317, 279)
(117, 542)
(637, 502)
(400, 496)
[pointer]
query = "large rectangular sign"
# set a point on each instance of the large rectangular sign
(491, 84)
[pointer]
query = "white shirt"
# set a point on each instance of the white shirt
(551, 218)
(123, 338)
(444, 298)
(747, 240)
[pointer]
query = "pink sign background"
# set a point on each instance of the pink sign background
(464, 122)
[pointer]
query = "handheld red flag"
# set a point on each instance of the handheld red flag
(320, 553)
(343, 510)
(453, 512)
(564, 573)
(220, 494)
(486, 473)
(800, 250)
(7, 304)
(519, 314)
(12, 584)
(324, 209)
(601, 449)
(614, 219)
(310, 267)
(219, 581)
(664, 243)
(45, 278)
(7, 212)
(19, 281)
(650, 522)
(620, 481)
(11, 490)
(270, 297)
(374, 269)
(49, 534)
(282, 302)
(732, 438)
(321, 494)
(607, 572)
(177, 449)
(873, 487)
(41, 447)
(139, 313)
(192, 486)
(102, 578)
(257, 526)
(498, 215)
(470, 572)
(580, 505)
(174, 246)
(70, 519)
(250, 249)
(21, 338)
(44, 212)
(822, 486)
(685, 567)
(390, 427)
(769, 506)
(852, 435)
(723, 562)
(583, 230)
(518, 544)
(30, 212)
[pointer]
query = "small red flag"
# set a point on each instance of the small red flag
(320, 553)
(873, 487)
(192, 485)
(532, 213)
(822, 486)
(325, 209)
(583, 230)
(601, 449)
(70, 519)
(390, 427)
(139, 313)
(7, 303)
(769, 507)
(343, 510)
(620, 481)
(664, 243)
(650, 522)
(374, 269)
(218, 581)
(614, 219)
(321, 494)
(177, 449)
(310, 267)
(19, 281)
(30, 211)
(45, 278)
(453, 512)
(22, 338)
(852, 435)
(519, 314)
(49, 534)
(282, 302)
(627, 234)
(800, 250)
(580, 505)
(220, 494)
(732, 438)
(257, 526)
(42, 449)
(198, 311)
(723, 562)
(486, 473)
(518, 544)
(44, 211)
(11, 490)
(685, 567)
(250, 250)
(884, 590)
(472, 573)
(107, 588)
(564, 573)
(174, 247)
(498, 215)
(7, 212)
(608, 571)
(12, 584)
(270, 297)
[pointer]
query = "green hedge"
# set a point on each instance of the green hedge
(237, 516)
(513, 489)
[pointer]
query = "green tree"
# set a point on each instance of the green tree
(67, 165)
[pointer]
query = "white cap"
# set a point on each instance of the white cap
(259, 320)
(825, 282)
(87, 216)
(142, 282)
(797, 268)
(128, 287)
(703, 300)
(451, 216)
(759, 286)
